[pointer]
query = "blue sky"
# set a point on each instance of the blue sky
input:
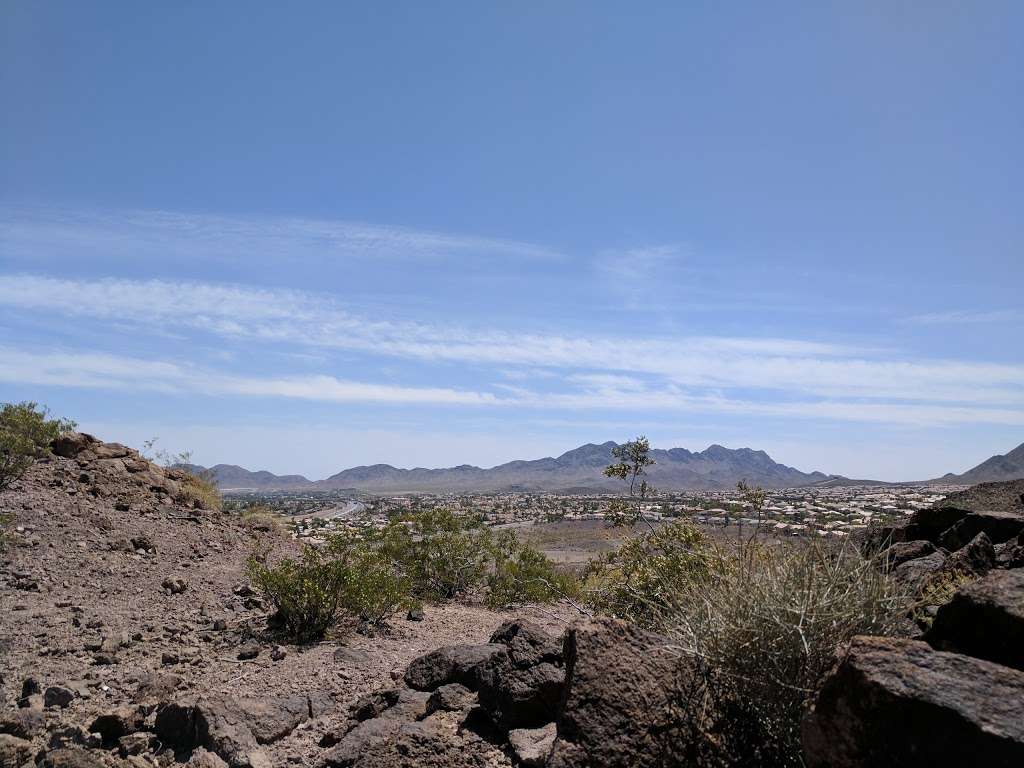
(431, 234)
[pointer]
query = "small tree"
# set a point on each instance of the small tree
(631, 467)
(754, 498)
(26, 432)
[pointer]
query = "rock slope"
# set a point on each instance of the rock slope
(128, 635)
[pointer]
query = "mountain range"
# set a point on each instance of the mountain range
(576, 470)
(580, 470)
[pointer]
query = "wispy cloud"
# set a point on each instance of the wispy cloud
(106, 371)
(40, 233)
(97, 370)
(313, 322)
(968, 317)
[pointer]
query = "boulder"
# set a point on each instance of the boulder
(532, 746)
(998, 526)
(914, 574)
(902, 551)
(976, 558)
(358, 740)
(621, 705)
(23, 723)
(72, 444)
(984, 619)
(898, 703)
(271, 719)
(450, 698)
(523, 688)
(1009, 554)
(932, 522)
(58, 696)
(120, 722)
(453, 664)
(202, 758)
(214, 724)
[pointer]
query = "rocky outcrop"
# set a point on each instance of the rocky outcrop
(902, 703)
(218, 725)
(114, 470)
(624, 687)
(523, 687)
(455, 664)
(984, 619)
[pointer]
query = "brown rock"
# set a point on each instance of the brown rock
(901, 703)
(622, 689)
(454, 664)
(984, 619)
(532, 746)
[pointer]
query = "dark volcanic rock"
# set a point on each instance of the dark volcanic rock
(623, 691)
(998, 526)
(213, 724)
(901, 703)
(454, 664)
(984, 619)
(902, 551)
(914, 574)
(976, 558)
(523, 688)
(932, 522)
(121, 722)
(450, 698)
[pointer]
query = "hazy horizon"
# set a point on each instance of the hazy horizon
(463, 234)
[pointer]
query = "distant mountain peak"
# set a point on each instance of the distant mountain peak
(716, 467)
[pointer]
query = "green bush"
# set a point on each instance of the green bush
(25, 435)
(762, 625)
(376, 585)
(640, 581)
(522, 574)
(444, 555)
(306, 593)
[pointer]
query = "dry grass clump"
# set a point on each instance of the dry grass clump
(202, 490)
(762, 624)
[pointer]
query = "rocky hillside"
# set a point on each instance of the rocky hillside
(130, 637)
(1009, 466)
(578, 469)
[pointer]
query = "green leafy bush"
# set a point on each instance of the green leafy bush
(522, 574)
(641, 580)
(376, 585)
(26, 432)
(307, 593)
(444, 555)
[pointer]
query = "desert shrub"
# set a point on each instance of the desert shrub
(443, 555)
(26, 432)
(936, 591)
(376, 586)
(198, 485)
(260, 517)
(307, 593)
(201, 489)
(641, 580)
(762, 625)
(522, 574)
